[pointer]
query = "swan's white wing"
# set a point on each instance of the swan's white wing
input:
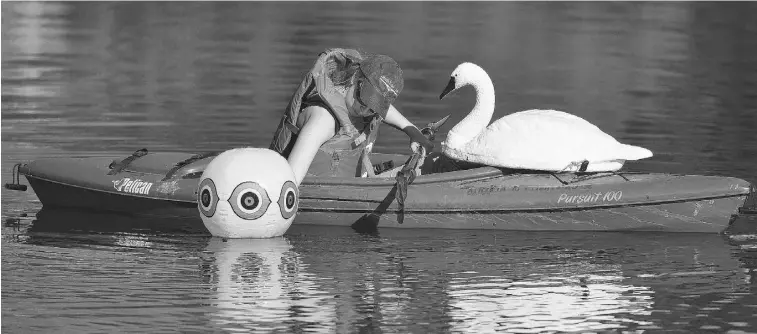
(546, 140)
(546, 113)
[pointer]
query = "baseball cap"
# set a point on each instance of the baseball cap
(384, 78)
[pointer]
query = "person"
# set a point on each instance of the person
(332, 119)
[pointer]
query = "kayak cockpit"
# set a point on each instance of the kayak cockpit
(172, 165)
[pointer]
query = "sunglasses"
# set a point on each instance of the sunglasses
(358, 92)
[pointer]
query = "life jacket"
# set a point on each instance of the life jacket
(341, 155)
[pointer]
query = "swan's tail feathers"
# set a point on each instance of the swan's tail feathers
(630, 152)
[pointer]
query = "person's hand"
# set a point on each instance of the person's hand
(417, 137)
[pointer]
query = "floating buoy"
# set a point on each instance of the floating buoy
(247, 193)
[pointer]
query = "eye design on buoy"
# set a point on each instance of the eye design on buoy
(207, 198)
(249, 200)
(288, 200)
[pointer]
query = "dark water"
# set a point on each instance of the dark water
(98, 78)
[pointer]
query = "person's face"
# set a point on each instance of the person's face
(356, 101)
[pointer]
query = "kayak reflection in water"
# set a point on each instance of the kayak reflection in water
(332, 120)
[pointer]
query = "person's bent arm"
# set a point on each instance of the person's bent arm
(317, 127)
(397, 120)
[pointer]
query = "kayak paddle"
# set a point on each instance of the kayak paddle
(408, 172)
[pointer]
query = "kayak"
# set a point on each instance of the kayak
(164, 185)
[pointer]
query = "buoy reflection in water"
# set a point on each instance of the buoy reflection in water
(262, 283)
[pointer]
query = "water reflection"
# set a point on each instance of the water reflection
(326, 279)
(262, 285)
(534, 282)
(33, 47)
(61, 220)
(593, 298)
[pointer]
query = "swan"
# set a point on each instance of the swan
(547, 140)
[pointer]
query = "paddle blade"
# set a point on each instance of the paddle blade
(403, 179)
(402, 182)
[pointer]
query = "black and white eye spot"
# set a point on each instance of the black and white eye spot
(207, 197)
(249, 200)
(288, 200)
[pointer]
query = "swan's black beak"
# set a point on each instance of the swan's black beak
(450, 87)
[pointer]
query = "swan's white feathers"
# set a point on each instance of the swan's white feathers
(533, 139)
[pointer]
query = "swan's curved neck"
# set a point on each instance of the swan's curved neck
(478, 118)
